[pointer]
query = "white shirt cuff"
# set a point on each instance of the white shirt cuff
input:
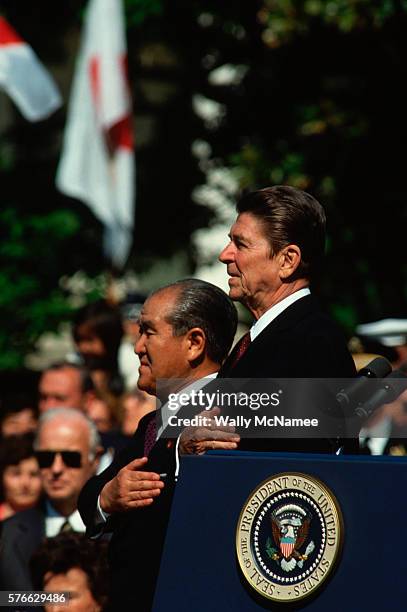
(177, 459)
(101, 515)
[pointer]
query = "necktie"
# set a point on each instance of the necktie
(65, 527)
(240, 348)
(150, 437)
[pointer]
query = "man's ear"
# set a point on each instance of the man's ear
(289, 260)
(196, 340)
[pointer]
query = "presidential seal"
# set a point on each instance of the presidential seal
(289, 536)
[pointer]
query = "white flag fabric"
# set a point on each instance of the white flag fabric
(97, 160)
(24, 78)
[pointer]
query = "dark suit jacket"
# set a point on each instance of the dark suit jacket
(299, 341)
(138, 535)
(302, 342)
(21, 535)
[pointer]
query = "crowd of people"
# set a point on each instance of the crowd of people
(84, 410)
(92, 454)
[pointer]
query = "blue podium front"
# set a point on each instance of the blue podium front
(200, 569)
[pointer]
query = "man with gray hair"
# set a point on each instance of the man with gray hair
(67, 447)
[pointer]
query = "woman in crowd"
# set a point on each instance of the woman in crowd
(97, 332)
(18, 415)
(20, 482)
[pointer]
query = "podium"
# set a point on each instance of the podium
(200, 571)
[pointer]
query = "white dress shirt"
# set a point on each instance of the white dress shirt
(273, 312)
(54, 521)
(166, 413)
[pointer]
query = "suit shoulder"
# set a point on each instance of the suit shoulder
(326, 343)
(25, 518)
(314, 345)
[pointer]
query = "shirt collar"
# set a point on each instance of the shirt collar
(195, 385)
(273, 312)
(54, 521)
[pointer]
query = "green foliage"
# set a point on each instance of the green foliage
(346, 316)
(253, 166)
(285, 19)
(324, 110)
(30, 300)
(321, 105)
(137, 11)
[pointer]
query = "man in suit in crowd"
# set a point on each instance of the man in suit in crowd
(186, 331)
(64, 384)
(67, 447)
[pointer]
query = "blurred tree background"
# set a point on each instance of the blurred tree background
(276, 91)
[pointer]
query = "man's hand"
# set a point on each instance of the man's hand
(197, 440)
(130, 488)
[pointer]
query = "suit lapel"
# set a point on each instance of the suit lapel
(290, 316)
(286, 320)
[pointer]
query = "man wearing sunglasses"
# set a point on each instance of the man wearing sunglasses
(67, 448)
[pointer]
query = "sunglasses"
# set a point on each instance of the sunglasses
(46, 458)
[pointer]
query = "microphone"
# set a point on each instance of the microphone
(348, 397)
(390, 388)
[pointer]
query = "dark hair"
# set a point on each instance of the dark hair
(16, 402)
(13, 450)
(73, 550)
(201, 304)
(85, 377)
(289, 216)
(105, 321)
